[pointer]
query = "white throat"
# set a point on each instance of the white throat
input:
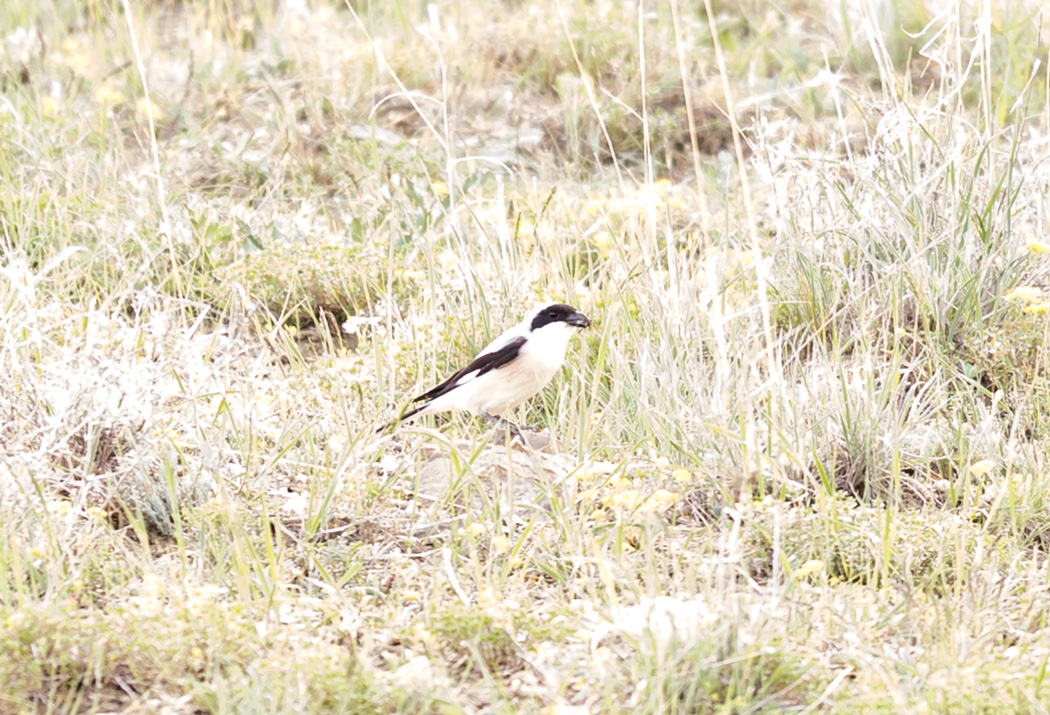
(549, 343)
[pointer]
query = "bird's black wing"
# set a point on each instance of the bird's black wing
(481, 364)
(492, 360)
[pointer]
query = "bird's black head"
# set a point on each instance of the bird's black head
(559, 313)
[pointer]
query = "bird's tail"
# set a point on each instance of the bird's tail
(401, 418)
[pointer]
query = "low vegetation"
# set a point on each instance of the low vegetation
(798, 464)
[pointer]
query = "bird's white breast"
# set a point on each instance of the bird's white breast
(497, 391)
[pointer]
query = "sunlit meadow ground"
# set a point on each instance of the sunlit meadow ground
(800, 461)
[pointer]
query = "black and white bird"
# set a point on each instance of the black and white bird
(511, 369)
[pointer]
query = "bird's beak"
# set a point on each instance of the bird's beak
(578, 320)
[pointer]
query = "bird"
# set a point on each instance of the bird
(511, 369)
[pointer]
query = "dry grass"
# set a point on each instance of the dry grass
(800, 461)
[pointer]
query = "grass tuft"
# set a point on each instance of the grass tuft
(796, 464)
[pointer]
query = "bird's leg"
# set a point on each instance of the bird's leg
(514, 429)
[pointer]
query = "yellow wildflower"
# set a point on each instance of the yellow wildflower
(589, 470)
(145, 107)
(59, 507)
(658, 500)
(73, 55)
(587, 495)
(809, 568)
(981, 468)
(1024, 294)
(107, 95)
(603, 242)
(627, 499)
(500, 544)
(488, 597)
